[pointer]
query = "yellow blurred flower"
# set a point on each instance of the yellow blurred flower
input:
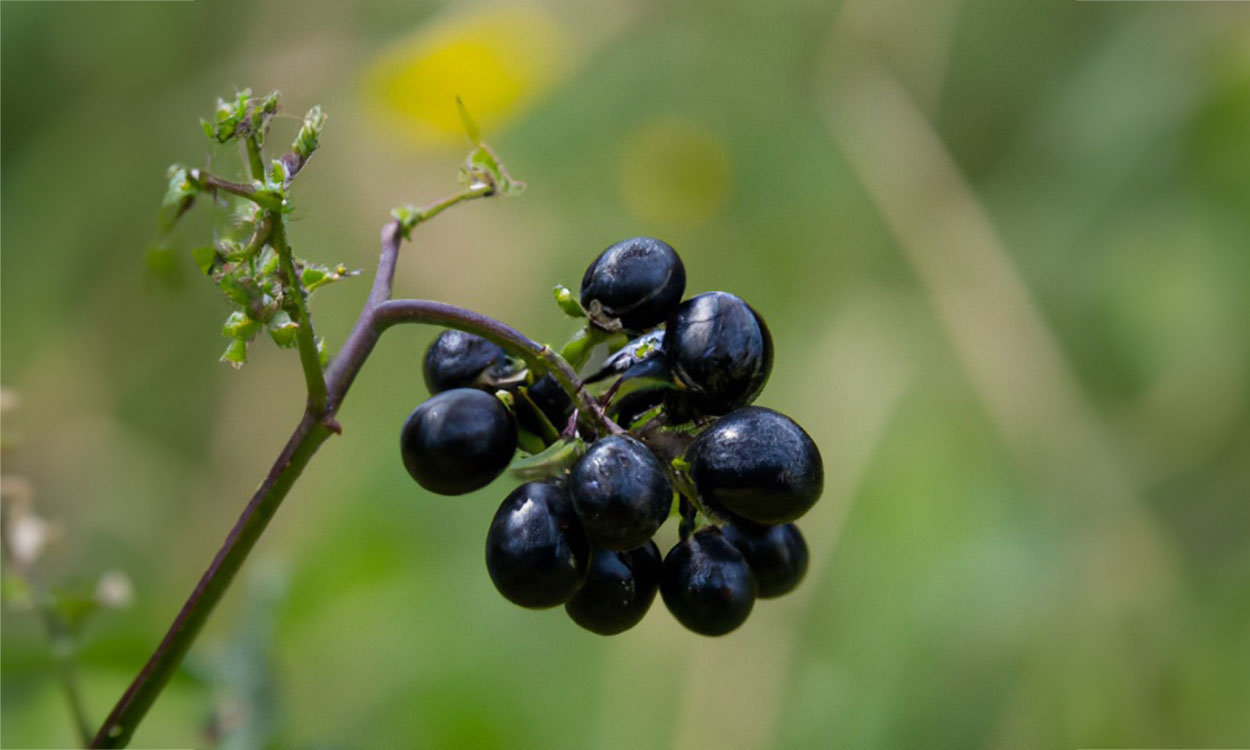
(498, 59)
(674, 171)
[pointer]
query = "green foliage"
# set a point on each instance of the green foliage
(245, 260)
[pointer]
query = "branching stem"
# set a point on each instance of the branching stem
(325, 397)
(297, 307)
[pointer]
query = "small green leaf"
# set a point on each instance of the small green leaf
(235, 354)
(283, 330)
(261, 116)
(206, 258)
(555, 460)
(235, 290)
(227, 117)
(314, 276)
(180, 193)
(240, 326)
(482, 167)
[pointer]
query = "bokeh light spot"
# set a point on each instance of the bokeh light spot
(498, 60)
(674, 171)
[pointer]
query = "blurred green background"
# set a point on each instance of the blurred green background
(1004, 249)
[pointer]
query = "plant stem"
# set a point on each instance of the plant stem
(151, 680)
(316, 426)
(309, 357)
(254, 161)
(417, 215)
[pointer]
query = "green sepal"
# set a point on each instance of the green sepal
(239, 326)
(235, 354)
(283, 330)
(567, 302)
(552, 462)
(235, 290)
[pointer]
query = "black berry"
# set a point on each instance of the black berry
(777, 555)
(707, 584)
(758, 464)
(618, 591)
(620, 492)
(536, 553)
(458, 441)
(462, 360)
(554, 403)
(638, 281)
(720, 349)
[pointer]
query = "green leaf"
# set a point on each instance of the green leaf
(283, 330)
(235, 354)
(240, 326)
(235, 290)
(180, 193)
(206, 258)
(227, 117)
(552, 462)
(482, 167)
(261, 115)
(314, 276)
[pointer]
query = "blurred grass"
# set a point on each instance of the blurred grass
(963, 592)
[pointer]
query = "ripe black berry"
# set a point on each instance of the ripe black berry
(618, 591)
(620, 492)
(638, 281)
(458, 441)
(758, 464)
(707, 584)
(536, 553)
(721, 350)
(551, 400)
(462, 360)
(777, 555)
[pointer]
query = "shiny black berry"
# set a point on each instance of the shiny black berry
(536, 553)
(462, 360)
(618, 590)
(620, 492)
(777, 555)
(707, 584)
(758, 464)
(458, 441)
(720, 349)
(638, 281)
(549, 398)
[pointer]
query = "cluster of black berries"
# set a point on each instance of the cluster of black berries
(581, 535)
